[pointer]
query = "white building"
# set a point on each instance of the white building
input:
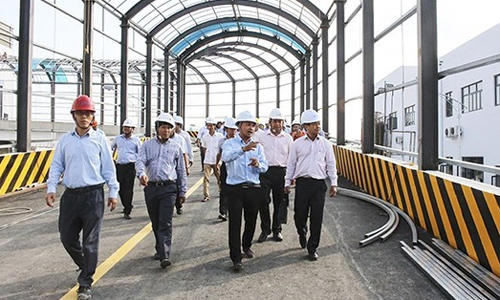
(469, 108)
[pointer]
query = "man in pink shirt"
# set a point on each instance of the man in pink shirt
(310, 163)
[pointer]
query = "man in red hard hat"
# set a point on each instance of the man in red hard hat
(85, 159)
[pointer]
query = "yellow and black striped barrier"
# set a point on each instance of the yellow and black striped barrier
(465, 217)
(193, 134)
(23, 169)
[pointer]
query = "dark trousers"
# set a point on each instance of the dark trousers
(125, 174)
(273, 180)
(240, 200)
(160, 203)
(309, 200)
(223, 190)
(82, 210)
(202, 154)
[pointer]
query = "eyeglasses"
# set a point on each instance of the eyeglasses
(85, 113)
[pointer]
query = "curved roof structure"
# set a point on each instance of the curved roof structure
(280, 32)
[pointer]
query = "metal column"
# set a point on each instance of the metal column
(24, 80)
(278, 91)
(166, 80)
(171, 95)
(234, 93)
(158, 93)
(427, 86)
(88, 26)
(124, 70)
(179, 84)
(257, 97)
(182, 110)
(302, 84)
(367, 138)
(149, 74)
(324, 76)
(315, 43)
(340, 72)
(53, 97)
(293, 95)
(207, 100)
(101, 95)
(308, 79)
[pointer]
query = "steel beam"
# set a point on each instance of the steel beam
(367, 137)
(88, 29)
(149, 74)
(341, 140)
(24, 79)
(124, 70)
(428, 93)
(325, 26)
(315, 43)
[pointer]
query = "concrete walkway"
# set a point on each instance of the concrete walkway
(34, 265)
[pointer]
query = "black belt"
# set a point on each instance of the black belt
(247, 185)
(130, 163)
(277, 167)
(85, 188)
(310, 179)
(161, 183)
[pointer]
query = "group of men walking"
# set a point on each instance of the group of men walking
(253, 168)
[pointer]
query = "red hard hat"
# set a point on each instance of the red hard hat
(83, 103)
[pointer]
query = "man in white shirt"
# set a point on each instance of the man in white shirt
(276, 144)
(310, 162)
(210, 142)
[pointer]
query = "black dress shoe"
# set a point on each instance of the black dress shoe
(262, 237)
(237, 266)
(164, 263)
(127, 216)
(179, 211)
(313, 256)
(222, 217)
(248, 253)
(302, 241)
(156, 256)
(278, 237)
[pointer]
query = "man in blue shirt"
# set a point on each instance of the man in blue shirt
(244, 160)
(85, 159)
(162, 172)
(127, 146)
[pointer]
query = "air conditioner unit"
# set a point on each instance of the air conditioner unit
(455, 131)
(447, 132)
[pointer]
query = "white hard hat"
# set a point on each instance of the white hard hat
(309, 116)
(295, 122)
(165, 118)
(128, 123)
(178, 119)
(210, 120)
(276, 114)
(245, 116)
(230, 123)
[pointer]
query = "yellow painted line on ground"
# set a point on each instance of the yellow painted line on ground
(109, 263)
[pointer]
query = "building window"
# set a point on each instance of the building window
(497, 89)
(392, 121)
(471, 97)
(449, 104)
(470, 173)
(410, 115)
